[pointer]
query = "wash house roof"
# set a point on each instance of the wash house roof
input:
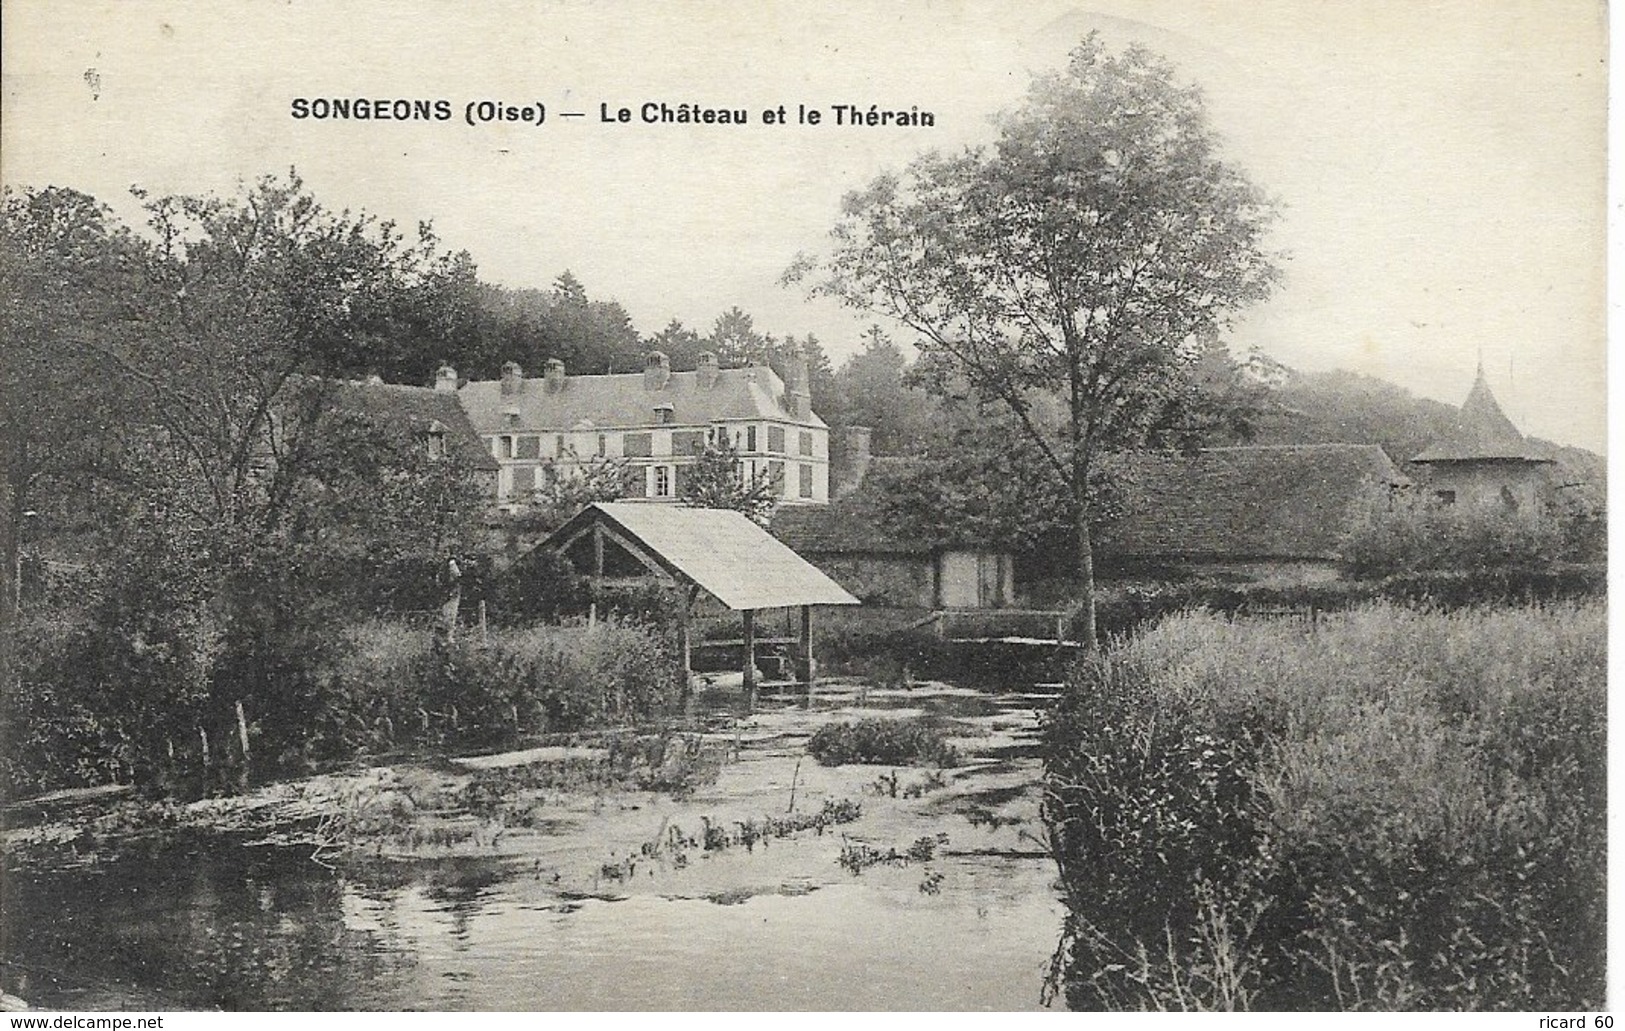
(724, 553)
(1292, 501)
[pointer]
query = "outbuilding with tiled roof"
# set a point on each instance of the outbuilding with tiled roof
(1483, 461)
(1276, 512)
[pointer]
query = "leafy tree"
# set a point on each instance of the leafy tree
(70, 274)
(1094, 250)
(242, 478)
(717, 479)
(877, 391)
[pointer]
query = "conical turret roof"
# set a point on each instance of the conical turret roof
(1482, 433)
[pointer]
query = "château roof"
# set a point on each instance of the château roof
(623, 401)
(1482, 432)
(1290, 501)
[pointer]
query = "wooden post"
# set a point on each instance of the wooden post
(484, 636)
(203, 736)
(242, 733)
(750, 658)
(806, 671)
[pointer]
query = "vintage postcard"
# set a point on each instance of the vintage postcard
(924, 506)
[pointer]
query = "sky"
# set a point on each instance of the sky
(1440, 167)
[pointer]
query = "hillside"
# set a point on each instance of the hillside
(1341, 407)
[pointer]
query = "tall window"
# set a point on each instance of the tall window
(805, 474)
(602, 445)
(506, 449)
(806, 443)
(775, 439)
(750, 438)
(558, 446)
(662, 481)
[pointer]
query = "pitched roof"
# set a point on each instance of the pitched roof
(622, 401)
(415, 410)
(1291, 501)
(1482, 432)
(727, 555)
(851, 525)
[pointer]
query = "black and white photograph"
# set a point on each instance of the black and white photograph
(912, 507)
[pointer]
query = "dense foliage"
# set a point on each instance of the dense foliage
(183, 429)
(1387, 809)
(1414, 535)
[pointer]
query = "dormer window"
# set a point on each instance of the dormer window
(512, 415)
(437, 439)
(665, 415)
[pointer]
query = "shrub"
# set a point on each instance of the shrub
(1392, 808)
(887, 741)
(1411, 535)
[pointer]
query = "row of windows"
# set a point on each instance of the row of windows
(666, 481)
(641, 445)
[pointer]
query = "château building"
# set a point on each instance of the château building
(660, 421)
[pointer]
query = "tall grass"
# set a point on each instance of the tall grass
(1388, 808)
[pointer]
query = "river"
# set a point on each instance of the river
(555, 918)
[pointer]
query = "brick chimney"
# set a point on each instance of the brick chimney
(797, 388)
(656, 371)
(855, 464)
(513, 378)
(554, 371)
(445, 378)
(706, 375)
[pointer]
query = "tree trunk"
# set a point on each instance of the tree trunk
(1084, 626)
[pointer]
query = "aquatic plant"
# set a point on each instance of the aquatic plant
(888, 741)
